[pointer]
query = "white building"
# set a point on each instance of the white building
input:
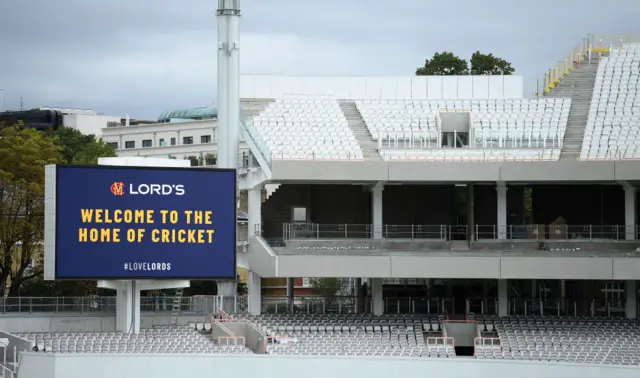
(85, 120)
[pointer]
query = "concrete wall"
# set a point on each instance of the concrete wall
(80, 322)
(177, 365)
(469, 265)
(523, 172)
(381, 87)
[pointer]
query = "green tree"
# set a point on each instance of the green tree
(242, 289)
(327, 288)
(210, 159)
(23, 155)
(78, 148)
(488, 64)
(444, 63)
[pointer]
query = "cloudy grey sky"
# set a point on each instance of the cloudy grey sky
(143, 57)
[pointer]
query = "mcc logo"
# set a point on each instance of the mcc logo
(117, 188)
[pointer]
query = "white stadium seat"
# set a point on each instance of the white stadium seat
(500, 129)
(613, 126)
(307, 128)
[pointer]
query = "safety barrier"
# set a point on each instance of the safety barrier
(492, 342)
(579, 54)
(237, 340)
(440, 341)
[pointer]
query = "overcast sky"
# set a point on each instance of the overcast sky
(143, 57)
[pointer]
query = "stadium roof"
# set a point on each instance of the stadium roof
(193, 113)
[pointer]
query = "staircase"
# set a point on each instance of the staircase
(176, 308)
(270, 189)
(368, 146)
(578, 85)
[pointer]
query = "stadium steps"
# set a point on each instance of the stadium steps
(368, 146)
(176, 307)
(577, 85)
(254, 106)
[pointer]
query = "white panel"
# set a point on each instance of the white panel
(263, 86)
(341, 87)
(358, 88)
(434, 87)
(373, 87)
(327, 86)
(247, 88)
(404, 87)
(513, 87)
(293, 85)
(496, 89)
(449, 87)
(388, 87)
(465, 87)
(480, 86)
(310, 85)
(419, 87)
(50, 175)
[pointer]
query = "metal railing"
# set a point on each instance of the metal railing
(576, 307)
(292, 231)
(416, 141)
(198, 304)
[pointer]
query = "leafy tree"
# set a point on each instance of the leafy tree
(444, 63)
(326, 287)
(23, 155)
(193, 160)
(242, 289)
(488, 64)
(210, 159)
(78, 148)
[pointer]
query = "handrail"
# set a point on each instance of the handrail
(401, 140)
(242, 340)
(563, 66)
(483, 341)
(445, 341)
(443, 232)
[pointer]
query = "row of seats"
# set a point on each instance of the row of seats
(307, 128)
(613, 125)
(583, 340)
(490, 120)
(182, 339)
(353, 335)
(470, 154)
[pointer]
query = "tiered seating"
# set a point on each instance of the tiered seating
(307, 128)
(156, 340)
(500, 129)
(613, 126)
(471, 154)
(353, 335)
(583, 340)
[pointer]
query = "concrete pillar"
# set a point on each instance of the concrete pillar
(290, 293)
(630, 212)
(471, 222)
(377, 300)
(254, 204)
(503, 298)
(501, 190)
(357, 286)
(563, 296)
(376, 211)
(254, 288)
(631, 305)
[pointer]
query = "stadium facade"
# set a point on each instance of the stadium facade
(472, 222)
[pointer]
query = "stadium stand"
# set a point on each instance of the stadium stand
(183, 339)
(581, 340)
(354, 335)
(503, 129)
(307, 128)
(613, 129)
